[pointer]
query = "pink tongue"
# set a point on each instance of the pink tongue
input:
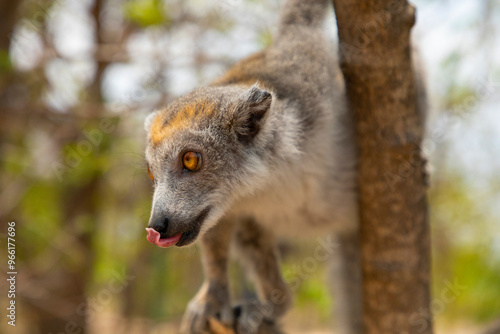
(154, 238)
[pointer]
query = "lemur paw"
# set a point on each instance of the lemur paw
(254, 317)
(205, 305)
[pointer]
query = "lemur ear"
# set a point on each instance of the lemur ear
(149, 120)
(250, 112)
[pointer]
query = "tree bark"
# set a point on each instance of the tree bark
(375, 55)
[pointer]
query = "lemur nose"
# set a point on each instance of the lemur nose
(159, 224)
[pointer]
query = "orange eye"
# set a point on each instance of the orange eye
(191, 161)
(150, 174)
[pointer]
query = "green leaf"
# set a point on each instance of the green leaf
(145, 12)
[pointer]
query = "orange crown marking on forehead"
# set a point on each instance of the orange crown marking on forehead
(156, 131)
(183, 119)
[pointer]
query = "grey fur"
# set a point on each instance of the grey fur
(278, 160)
(149, 120)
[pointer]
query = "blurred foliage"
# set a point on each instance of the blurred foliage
(5, 64)
(457, 96)
(81, 230)
(146, 12)
(315, 296)
(480, 273)
(464, 252)
(265, 38)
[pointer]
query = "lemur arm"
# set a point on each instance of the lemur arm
(257, 249)
(213, 298)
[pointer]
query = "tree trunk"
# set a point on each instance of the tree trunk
(375, 52)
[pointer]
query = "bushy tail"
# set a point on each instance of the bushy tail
(303, 13)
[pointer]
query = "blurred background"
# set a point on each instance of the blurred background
(77, 78)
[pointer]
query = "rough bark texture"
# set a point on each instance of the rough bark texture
(376, 61)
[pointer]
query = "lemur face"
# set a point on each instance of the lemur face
(202, 151)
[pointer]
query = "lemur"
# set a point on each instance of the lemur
(264, 152)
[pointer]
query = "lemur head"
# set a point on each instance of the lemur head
(204, 150)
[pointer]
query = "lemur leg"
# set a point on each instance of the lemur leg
(347, 284)
(258, 252)
(213, 298)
